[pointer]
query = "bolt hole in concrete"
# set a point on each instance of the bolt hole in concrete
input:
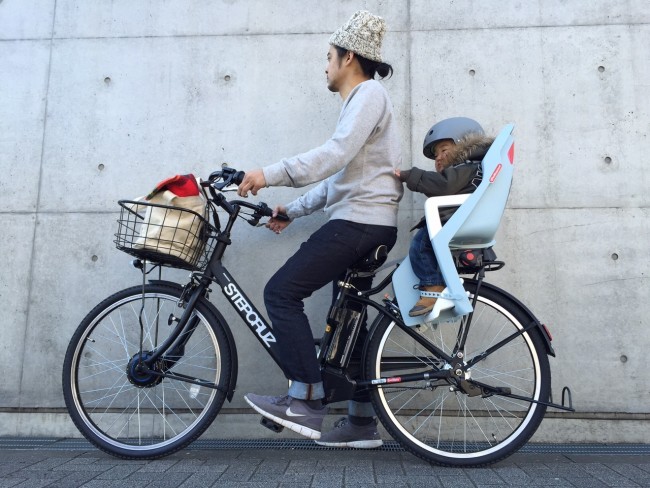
(107, 80)
(100, 167)
(472, 72)
(601, 68)
(227, 77)
(624, 358)
(608, 160)
(614, 256)
(94, 258)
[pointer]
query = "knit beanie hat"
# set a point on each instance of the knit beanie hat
(362, 35)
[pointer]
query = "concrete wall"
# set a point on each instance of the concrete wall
(100, 100)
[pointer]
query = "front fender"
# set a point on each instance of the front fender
(232, 382)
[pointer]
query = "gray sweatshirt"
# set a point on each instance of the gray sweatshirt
(355, 166)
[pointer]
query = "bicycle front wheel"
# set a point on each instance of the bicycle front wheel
(145, 416)
(454, 424)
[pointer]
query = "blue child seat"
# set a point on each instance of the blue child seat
(472, 226)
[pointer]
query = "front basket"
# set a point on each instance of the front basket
(166, 235)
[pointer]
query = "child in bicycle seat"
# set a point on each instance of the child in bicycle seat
(458, 146)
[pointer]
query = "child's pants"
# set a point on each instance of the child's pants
(423, 260)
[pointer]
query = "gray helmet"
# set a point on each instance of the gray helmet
(454, 128)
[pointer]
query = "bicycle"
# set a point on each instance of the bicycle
(149, 368)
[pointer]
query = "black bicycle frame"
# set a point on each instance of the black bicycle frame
(245, 308)
(263, 331)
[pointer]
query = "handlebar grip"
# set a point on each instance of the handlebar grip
(238, 177)
(282, 217)
(263, 210)
(266, 211)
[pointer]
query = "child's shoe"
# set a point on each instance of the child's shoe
(428, 297)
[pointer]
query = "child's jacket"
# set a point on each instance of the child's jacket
(463, 175)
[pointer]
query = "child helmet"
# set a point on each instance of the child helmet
(454, 128)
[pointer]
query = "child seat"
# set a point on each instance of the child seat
(472, 226)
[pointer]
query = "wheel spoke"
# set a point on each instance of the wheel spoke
(134, 412)
(439, 420)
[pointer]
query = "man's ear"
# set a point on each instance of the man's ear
(349, 57)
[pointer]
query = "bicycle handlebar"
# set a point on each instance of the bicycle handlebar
(230, 176)
(219, 180)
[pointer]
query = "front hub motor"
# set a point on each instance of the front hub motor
(138, 373)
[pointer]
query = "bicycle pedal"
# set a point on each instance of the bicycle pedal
(269, 424)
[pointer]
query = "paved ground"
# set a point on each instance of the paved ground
(299, 464)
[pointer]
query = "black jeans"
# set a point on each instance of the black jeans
(322, 259)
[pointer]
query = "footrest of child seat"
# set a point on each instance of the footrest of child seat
(442, 310)
(442, 305)
(269, 424)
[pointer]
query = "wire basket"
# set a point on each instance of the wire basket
(169, 236)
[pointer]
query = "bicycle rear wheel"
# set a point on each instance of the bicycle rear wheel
(144, 416)
(442, 421)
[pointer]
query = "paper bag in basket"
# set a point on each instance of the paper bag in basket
(173, 231)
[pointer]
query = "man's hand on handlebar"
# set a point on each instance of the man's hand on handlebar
(253, 181)
(279, 221)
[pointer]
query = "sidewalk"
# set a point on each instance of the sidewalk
(36, 463)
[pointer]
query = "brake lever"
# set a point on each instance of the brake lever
(281, 217)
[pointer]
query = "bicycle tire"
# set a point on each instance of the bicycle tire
(439, 422)
(129, 420)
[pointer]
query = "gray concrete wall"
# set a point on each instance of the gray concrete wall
(100, 100)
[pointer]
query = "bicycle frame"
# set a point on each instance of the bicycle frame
(337, 376)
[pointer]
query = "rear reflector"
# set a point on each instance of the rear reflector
(548, 332)
(495, 173)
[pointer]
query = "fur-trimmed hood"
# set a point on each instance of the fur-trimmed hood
(472, 147)
(461, 175)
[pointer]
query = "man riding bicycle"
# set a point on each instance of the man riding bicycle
(360, 195)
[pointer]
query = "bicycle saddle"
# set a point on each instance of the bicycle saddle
(371, 261)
